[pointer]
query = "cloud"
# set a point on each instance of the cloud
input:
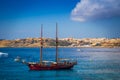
(95, 9)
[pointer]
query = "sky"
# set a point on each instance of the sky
(75, 18)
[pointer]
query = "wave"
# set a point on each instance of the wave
(3, 54)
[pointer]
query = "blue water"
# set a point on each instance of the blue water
(93, 64)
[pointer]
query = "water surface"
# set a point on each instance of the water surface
(93, 64)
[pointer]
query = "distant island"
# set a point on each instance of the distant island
(65, 42)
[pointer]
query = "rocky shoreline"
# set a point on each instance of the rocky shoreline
(65, 42)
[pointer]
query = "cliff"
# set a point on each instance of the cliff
(66, 42)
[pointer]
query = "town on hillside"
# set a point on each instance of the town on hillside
(65, 42)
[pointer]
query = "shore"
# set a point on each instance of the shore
(65, 42)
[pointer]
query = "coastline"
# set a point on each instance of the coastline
(59, 47)
(64, 43)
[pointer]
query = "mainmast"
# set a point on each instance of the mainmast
(56, 43)
(41, 44)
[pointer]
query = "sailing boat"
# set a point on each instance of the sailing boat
(58, 64)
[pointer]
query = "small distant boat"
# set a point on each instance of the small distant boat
(58, 64)
(78, 50)
(3, 54)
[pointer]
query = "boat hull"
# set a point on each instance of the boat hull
(51, 67)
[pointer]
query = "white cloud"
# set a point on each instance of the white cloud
(95, 9)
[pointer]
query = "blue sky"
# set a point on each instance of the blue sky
(75, 18)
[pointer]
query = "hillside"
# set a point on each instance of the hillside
(66, 42)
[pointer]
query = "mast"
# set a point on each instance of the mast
(41, 43)
(56, 43)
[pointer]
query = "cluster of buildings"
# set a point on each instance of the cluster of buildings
(65, 42)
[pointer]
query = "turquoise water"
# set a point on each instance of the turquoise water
(93, 64)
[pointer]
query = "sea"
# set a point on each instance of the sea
(92, 64)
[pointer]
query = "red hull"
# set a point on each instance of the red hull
(52, 67)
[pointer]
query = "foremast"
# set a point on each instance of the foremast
(41, 44)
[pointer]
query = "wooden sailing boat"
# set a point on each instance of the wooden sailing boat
(49, 65)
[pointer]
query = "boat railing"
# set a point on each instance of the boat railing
(67, 61)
